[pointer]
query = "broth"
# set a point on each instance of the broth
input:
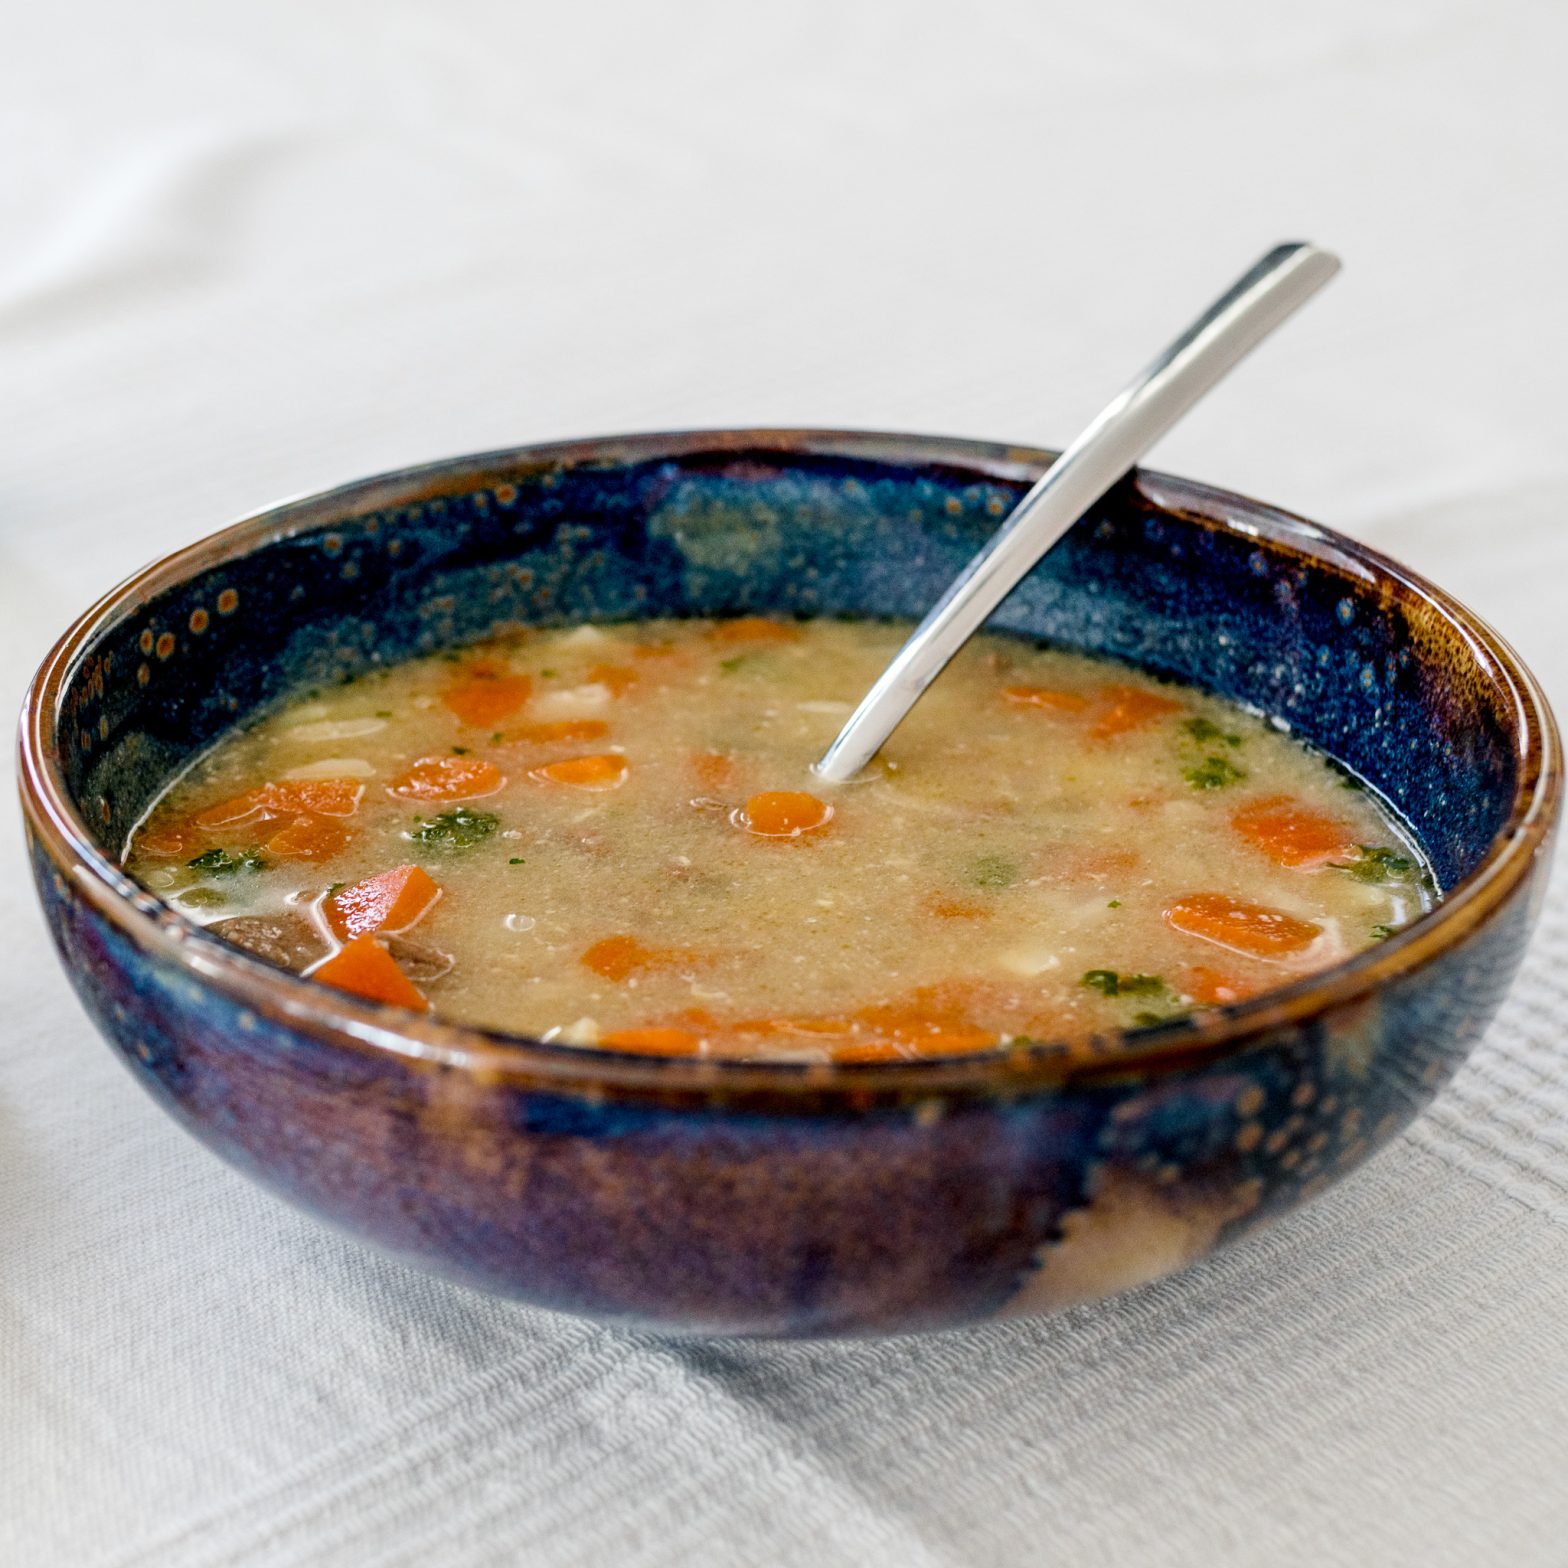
(609, 836)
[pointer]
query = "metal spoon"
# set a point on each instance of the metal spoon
(1258, 302)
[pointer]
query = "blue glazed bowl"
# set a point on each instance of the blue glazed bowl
(757, 1198)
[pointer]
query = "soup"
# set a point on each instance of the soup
(609, 836)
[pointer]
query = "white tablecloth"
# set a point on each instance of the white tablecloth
(250, 250)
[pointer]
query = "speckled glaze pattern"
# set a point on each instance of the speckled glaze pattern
(725, 1197)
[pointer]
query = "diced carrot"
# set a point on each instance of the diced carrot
(486, 698)
(1213, 988)
(1129, 708)
(179, 838)
(653, 650)
(956, 909)
(618, 958)
(447, 777)
(756, 628)
(932, 1020)
(320, 797)
(365, 968)
(308, 838)
(652, 1041)
(617, 677)
(391, 901)
(559, 732)
(1254, 929)
(873, 1051)
(714, 769)
(1045, 697)
(606, 771)
(1293, 834)
(785, 813)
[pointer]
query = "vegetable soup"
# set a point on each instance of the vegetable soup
(609, 836)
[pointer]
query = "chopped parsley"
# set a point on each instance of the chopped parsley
(730, 665)
(1381, 933)
(1109, 983)
(459, 828)
(1115, 903)
(460, 751)
(383, 713)
(548, 675)
(995, 871)
(517, 860)
(1206, 732)
(336, 888)
(220, 863)
(1214, 773)
(1376, 863)
(1145, 1019)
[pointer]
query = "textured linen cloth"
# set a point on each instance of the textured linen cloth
(254, 250)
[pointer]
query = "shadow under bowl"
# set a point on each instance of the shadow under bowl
(768, 1198)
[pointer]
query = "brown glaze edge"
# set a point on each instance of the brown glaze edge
(495, 1056)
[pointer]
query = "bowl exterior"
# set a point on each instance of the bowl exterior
(695, 1199)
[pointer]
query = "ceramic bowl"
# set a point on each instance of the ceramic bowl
(753, 1198)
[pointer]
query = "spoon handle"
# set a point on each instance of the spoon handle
(1258, 302)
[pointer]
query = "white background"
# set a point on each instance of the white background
(254, 250)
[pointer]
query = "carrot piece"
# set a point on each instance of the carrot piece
(930, 1021)
(559, 732)
(617, 677)
(487, 698)
(1254, 929)
(448, 778)
(1293, 834)
(1213, 988)
(606, 771)
(1129, 708)
(390, 902)
(755, 628)
(320, 797)
(169, 838)
(1045, 697)
(714, 769)
(618, 958)
(652, 1041)
(365, 968)
(956, 909)
(785, 813)
(308, 838)
(872, 1051)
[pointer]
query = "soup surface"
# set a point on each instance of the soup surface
(609, 836)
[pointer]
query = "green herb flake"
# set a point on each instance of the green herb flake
(1146, 1019)
(548, 675)
(458, 828)
(1377, 863)
(1214, 773)
(1381, 933)
(1115, 903)
(335, 889)
(1206, 732)
(220, 863)
(995, 871)
(498, 737)
(460, 751)
(729, 666)
(383, 713)
(517, 860)
(1109, 983)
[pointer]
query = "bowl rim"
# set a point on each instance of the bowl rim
(499, 1055)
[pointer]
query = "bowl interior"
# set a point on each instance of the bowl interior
(1359, 658)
